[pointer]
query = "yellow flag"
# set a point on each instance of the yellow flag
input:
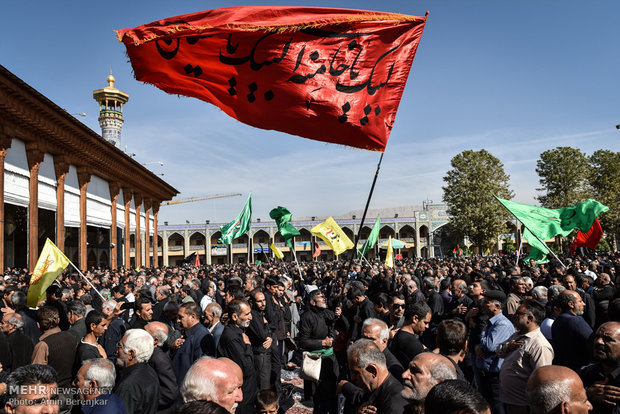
(50, 264)
(277, 251)
(389, 257)
(332, 234)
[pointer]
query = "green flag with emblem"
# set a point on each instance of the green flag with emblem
(239, 226)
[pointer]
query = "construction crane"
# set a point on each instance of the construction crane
(192, 199)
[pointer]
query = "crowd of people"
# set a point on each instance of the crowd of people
(455, 335)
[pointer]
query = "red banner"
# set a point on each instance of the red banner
(332, 75)
(317, 250)
(589, 239)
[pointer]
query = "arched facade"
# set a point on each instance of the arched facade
(412, 229)
(62, 181)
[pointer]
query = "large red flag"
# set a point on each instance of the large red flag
(332, 75)
(589, 239)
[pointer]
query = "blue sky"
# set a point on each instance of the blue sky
(513, 77)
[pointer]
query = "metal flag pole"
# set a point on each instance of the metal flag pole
(263, 252)
(87, 281)
(532, 233)
(372, 188)
(297, 263)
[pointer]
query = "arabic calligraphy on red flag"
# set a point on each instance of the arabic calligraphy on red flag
(332, 75)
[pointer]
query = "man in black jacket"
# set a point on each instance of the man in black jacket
(261, 340)
(137, 384)
(20, 346)
(161, 363)
(235, 345)
(369, 372)
(316, 334)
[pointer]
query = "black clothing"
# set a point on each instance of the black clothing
(62, 313)
(168, 389)
(258, 332)
(158, 308)
(112, 336)
(5, 353)
(138, 387)
(85, 351)
(393, 365)
(78, 329)
(594, 373)
(31, 329)
(387, 398)
(405, 346)
(137, 322)
(463, 300)
(314, 326)
(20, 347)
(365, 310)
(232, 346)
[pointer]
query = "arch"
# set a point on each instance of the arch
(132, 240)
(365, 233)
(406, 232)
(349, 233)
(423, 231)
(277, 238)
(91, 260)
(104, 258)
(176, 240)
(261, 236)
(386, 231)
(197, 239)
(304, 235)
(215, 236)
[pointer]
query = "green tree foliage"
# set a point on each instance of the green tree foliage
(470, 184)
(605, 183)
(563, 173)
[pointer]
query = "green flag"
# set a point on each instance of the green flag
(239, 226)
(372, 238)
(539, 249)
(283, 217)
(547, 223)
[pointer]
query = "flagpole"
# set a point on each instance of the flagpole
(88, 281)
(263, 252)
(533, 234)
(296, 262)
(372, 188)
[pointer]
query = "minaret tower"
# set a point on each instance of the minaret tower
(111, 102)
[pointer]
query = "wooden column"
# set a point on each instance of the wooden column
(147, 235)
(127, 194)
(35, 158)
(155, 241)
(83, 180)
(61, 167)
(114, 191)
(5, 144)
(137, 200)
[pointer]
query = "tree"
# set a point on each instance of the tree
(563, 173)
(470, 184)
(605, 182)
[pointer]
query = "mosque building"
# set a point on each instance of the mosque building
(64, 182)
